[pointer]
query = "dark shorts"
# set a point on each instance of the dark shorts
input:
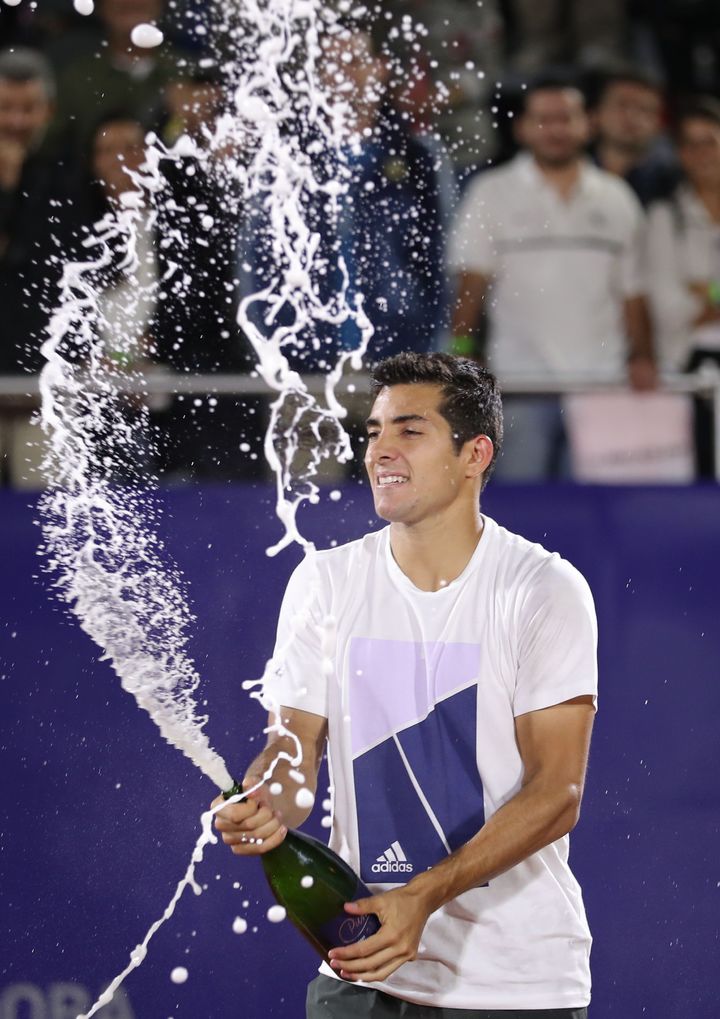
(336, 999)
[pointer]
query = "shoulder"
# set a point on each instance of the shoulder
(348, 557)
(534, 575)
(613, 188)
(489, 181)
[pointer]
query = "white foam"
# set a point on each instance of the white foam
(146, 36)
(304, 798)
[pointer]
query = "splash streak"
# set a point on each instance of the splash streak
(281, 153)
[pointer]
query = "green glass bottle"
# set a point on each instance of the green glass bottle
(313, 883)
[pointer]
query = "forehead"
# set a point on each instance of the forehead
(32, 90)
(633, 92)
(422, 398)
(564, 100)
(698, 127)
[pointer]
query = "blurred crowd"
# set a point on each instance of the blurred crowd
(537, 186)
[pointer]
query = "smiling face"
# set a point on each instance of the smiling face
(414, 469)
(554, 126)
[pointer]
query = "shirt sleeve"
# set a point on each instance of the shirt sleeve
(557, 640)
(471, 247)
(296, 675)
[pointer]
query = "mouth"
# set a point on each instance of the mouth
(386, 480)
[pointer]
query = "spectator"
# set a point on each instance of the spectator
(391, 233)
(35, 195)
(555, 245)
(186, 321)
(627, 115)
(683, 253)
(119, 76)
(200, 216)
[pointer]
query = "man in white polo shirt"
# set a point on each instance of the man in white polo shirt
(554, 243)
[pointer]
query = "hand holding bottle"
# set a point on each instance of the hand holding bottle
(403, 913)
(251, 827)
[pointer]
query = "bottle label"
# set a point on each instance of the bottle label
(345, 929)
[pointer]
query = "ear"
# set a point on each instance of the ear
(480, 453)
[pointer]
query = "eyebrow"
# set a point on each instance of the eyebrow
(399, 420)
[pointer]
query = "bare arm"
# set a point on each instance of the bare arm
(472, 287)
(554, 745)
(264, 818)
(642, 370)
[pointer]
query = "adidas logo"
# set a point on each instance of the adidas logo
(392, 861)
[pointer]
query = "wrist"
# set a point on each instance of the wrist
(430, 889)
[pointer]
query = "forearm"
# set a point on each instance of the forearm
(639, 331)
(471, 290)
(284, 780)
(535, 817)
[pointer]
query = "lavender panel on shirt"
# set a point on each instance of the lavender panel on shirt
(425, 695)
(393, 683)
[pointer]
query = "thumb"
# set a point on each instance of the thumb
(361, 907)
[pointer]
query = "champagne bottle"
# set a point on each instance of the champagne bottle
(313, 883)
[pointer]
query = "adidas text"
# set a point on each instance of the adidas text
(391, 867)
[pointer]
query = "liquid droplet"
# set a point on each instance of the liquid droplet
(239, 925)
(276, 914)
(146, 36)
(179, 975)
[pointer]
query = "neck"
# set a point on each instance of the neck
(617, 159)
(561, 176)
(435, 552)
(709, 195)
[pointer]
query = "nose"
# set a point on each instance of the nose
(381, 449)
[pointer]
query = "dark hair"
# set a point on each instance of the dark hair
(471, 402)
(549, 82)
(696, 108)
(599, 81)
(22, 64)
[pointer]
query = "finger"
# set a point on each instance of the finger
(235, 815)
(365, 948)
(359, 969)
(259, 848)
(232, 838)
(262, 817)
(360, 907)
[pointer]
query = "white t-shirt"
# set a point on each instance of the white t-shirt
(683, 247)
(560, 270)
(421, 690)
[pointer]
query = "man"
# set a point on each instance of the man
(683, 263)
(35, 194)
(627, 124)
(556, 243)
(392, 224)
(451, 667)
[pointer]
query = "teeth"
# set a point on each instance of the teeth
(391, 479)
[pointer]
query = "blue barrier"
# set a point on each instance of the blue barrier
(99, 816)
